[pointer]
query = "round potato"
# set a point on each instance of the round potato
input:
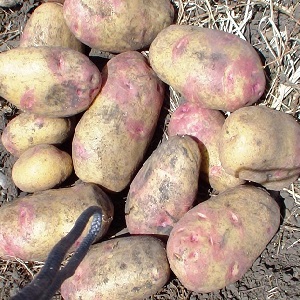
(204, 125)
(254, 147)
(217, 241)
(41, 167)
(48, 81)
(31, 226)
(117, 26)
(27, 130)
(211, 67)
(131, 268)
(47, 27)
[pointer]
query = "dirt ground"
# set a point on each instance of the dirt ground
(276, 273)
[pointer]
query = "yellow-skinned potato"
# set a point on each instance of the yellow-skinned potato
(41, 167)
(112, 136)
(118, 25)
(27, 130)
(31, 226)
(211, 67)
(131, 268)
(262, 145)
(49, 81)
(47, 27)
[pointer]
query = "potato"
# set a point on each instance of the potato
(165, 187)
(128, 268)
(47, 27)
(112, 136)
(41, 167)
(261, 145)
(32, 225)
(117, 26)
(49, 81)
(205, 126)
(216, 69)
(217, 241)
(27, 130)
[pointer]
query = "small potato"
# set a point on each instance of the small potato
(27, 130)
(165, 187)
(205, 126)
(49, 81)
(213, 68)
(47, 27)
(41, 167)
(32, 225)
(131, 268)
(112, 136)
(217, 241)
(117, 26)
(261, 145)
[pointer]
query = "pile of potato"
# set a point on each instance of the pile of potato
(217, 135)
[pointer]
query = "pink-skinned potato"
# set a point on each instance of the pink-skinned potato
(204, 125)
(32, 225)
(213, 68)
(217, 241)
(47, 27)
(254, 147)
(117, 25)
(112, 136)
(48, 81)
(165, 187)
(130, 268)
(27, 130)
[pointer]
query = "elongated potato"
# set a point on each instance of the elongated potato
(47, 27)
(117, 26)
(49, 81)
(261, 145)
(205, 125)
(112, 136)
(32, 225)
(165, 187)
(41, 167)
(217, 241)
(211, 67)
(28, 130)
(130, 268)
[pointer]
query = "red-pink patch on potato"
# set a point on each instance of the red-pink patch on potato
(28, 100)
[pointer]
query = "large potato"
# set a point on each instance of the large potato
(112, 136)
(205, 126)
(32, 225)
(117, 26)
(41, 167)
(211, 67)
(50, 81)
(131, 268)
(165, 187)
(27, 130)
(217, 241)
(47, 27)
(261, 145)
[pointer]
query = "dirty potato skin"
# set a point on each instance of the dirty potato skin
(32, 225)
(261, 145)
(27, 130)
(165, 187)
(217, 241)
(47, 27)
(117, 25)
(49, 81)
(41, 167)
(207, 66)
(205, 126)
(131, 268)
(112, 136)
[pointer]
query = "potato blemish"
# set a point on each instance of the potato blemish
(27, 101)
